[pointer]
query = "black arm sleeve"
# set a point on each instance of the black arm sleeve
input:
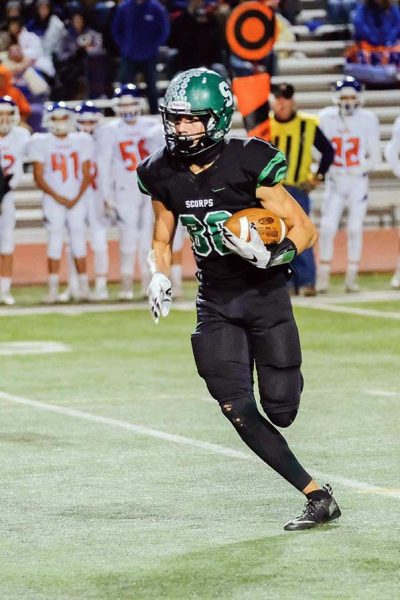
(324, 146)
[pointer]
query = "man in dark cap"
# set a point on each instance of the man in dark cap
(295, 133)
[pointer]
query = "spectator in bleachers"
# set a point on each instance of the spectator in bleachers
(377, 22)
(375, 57)
(7, 89)
(101, 18)
(339, 12)
(79, 61)
(196, 36)
(47, 26)
(140, 27)
(25, 77)
(12, 9)
(30, 45)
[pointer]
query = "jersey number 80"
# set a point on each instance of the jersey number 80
(206, 235)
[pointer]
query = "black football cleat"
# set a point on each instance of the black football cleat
(316, 512)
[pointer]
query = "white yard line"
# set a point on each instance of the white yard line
(348, 310)
(13, 348)
(373, 296)
(383, 393)
(80, 309)
(360, 486)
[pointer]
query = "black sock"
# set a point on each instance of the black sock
(318, 495)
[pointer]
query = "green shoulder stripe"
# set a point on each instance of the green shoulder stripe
(276, 168)
(142, 187)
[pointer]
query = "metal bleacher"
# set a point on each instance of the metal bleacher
(315, 63)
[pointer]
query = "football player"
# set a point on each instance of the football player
(354, 133)
(122, 143)
(89, 119)
(392, 155)
(13, 142)
(61, 168)
(244, 311)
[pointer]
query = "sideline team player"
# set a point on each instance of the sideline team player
(61, 168)
(13, 143)
(245, 316)
(89, 119)
(354, 133)
(121, 144)
(392, 155)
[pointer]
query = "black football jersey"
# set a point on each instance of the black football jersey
(203, 202)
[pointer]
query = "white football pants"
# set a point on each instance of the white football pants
(7, 224)
(346, 191)
(98, 233)
(135, 225)
(57, 218)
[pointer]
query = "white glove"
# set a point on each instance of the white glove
(159, 293)
(254, 251)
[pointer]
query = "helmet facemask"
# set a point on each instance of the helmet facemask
(348, 103)
(87, 122)
(190, 144)
(127, 107)
(348, 96)
(59, 121)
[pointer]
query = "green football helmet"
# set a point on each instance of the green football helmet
(197, 93)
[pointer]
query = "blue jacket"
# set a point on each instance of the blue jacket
(139, 29)
(378, 27)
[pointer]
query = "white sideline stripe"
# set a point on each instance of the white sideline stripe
(75, 311)
(140, 429)
(13, 348)
(385, 393)
(80, 309)
(372, 296)
(365, 312)
(179, 439)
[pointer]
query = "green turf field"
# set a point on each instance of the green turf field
(112, 509)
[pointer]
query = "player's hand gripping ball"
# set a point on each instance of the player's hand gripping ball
(271, 228)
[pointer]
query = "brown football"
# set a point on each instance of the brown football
(271, 228)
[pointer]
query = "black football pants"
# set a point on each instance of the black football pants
(235, 331)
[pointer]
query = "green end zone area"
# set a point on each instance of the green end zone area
(93, 510)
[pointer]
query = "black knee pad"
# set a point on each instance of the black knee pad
(282, 419)
(280, 391)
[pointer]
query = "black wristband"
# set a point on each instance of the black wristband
(282, 253)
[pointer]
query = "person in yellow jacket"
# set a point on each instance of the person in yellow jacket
(296, 133)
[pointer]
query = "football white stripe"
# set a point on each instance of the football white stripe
(179, 439)
(244, 229)
(283, 231)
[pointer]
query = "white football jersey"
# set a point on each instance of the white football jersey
(62, 159)
(355, 139)
(392, 149)
(120, 148)
(12, 151)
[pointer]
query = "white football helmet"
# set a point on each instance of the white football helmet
(9, 115)
(348, 94)
(127, 102)
(88, 117)
(58, 119)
